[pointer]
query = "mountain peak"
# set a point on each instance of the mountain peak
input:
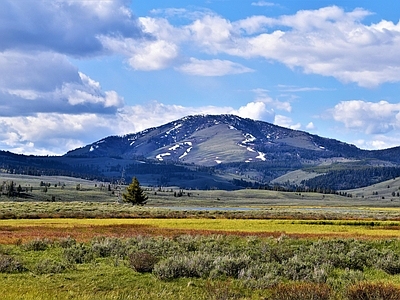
(209, 140)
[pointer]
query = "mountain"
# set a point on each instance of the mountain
(209, 140)
(220, 151)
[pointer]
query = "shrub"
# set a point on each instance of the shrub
(67, 242)
(194, 265)
(48, 266)
(389, 262)
(301, 291)
(105, 247)
(231, 266)
(37, 245)
(9, 264)
(142, 261)
(78, 254)
(373, 291)
(343, 278)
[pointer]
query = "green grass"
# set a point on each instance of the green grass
(238, 268)
(368, 228)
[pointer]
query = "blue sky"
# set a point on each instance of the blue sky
(75, 71)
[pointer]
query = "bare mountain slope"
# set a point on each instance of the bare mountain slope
(210, 140)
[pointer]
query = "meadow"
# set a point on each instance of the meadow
(74, 239)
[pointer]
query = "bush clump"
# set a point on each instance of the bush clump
(78, 254)
(193, 265)
(389, 262)
(142, 261)
(48, 266)
(9, 264)
(37, 245)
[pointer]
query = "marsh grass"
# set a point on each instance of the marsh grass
(27, 230)
(373, 291)
(301, 291)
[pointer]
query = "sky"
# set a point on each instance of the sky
(75, 71)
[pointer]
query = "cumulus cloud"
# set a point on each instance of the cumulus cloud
(310, 126)
(285, 121)
(262, 96)
(331, 42)
(214, 67)
(48, 82)
(368, 117)
(68, 26)
(257, 111)
(327, 41)
(57, 133)
(51, 133)
(212, 33)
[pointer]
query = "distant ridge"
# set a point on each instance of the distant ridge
(219, 151)
(209, 140)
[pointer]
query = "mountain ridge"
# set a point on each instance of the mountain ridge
(217, 151)
(213, 139)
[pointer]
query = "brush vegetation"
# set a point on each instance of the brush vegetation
(200, 267)
(63, 238)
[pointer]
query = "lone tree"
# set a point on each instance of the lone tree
(134, 193)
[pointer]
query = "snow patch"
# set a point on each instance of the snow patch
(218, 161)
(160, 156)
(231, 127)
(173, 148)
(249, 138)
(261, 156)
(186, 152)
(250, 149)
(175, 128)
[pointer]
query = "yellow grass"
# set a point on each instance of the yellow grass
(305, 227)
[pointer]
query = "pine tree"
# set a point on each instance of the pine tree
(134, 193)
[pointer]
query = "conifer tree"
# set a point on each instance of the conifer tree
(134, 193)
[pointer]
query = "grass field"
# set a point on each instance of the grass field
(75, 240)
(64, 189)
(85, 229)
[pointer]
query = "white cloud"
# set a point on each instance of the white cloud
(368, 117)
(378, 142)
(153, 56)
(64, 26)
(310, 126)
(262, 96)
(263, 3)
(285, 121)
(327, 41)
(295, 89)
(257, 111)
(212, 33)
(214, 67)
(51, 133)
(48, 82)
(57, 133)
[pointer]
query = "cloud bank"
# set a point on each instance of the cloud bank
(48, 106)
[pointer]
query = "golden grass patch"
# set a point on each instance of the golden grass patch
(84, 229)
